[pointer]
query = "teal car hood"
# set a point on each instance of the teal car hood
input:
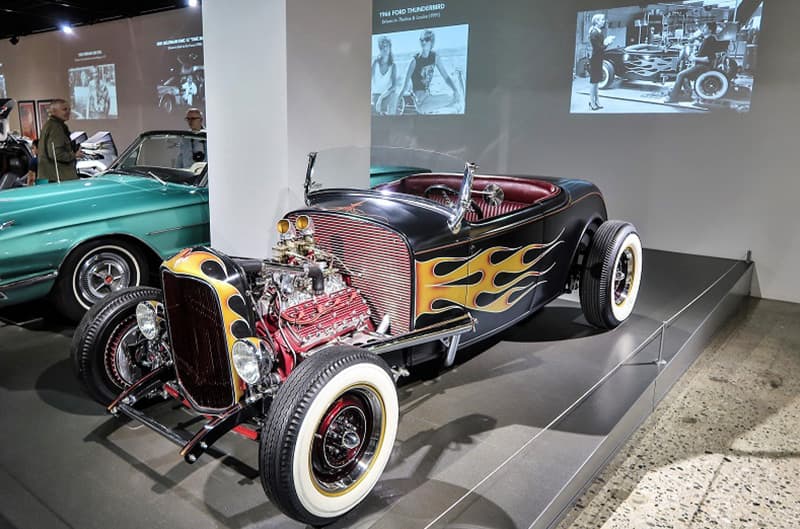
(77, 202)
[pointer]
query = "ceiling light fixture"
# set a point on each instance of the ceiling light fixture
(66, 28)
(193, 3)
(14, 40)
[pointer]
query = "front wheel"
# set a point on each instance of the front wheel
(329, 434)
(108, 351)
(612, 274)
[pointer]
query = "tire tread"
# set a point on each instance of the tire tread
(598, 273)
(286, 414)
(83, 349)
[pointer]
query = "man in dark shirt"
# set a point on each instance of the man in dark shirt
(57, 157)
(703, 61)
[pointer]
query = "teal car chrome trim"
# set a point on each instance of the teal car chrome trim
(29, 281)
(176, 228)
(7, 224)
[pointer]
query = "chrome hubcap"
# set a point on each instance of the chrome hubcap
(623, 276)
(102, 274)
(347, 439)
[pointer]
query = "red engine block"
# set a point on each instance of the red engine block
(325, 318)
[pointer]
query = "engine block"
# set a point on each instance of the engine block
(324, 318)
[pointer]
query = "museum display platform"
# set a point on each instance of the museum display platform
(506, 439)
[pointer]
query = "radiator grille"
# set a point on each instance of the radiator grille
(197, 335)
(379, 256)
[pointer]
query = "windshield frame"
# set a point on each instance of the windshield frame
(200, 179)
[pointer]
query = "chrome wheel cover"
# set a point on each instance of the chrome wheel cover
(101, 274)
(624, 275)
(347, 440)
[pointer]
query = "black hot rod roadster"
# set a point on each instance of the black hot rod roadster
(302, 351)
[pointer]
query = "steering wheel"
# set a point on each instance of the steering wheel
(445, 190)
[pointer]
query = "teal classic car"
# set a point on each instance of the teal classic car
(75, 242)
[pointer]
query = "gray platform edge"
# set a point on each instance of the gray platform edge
(640, 410)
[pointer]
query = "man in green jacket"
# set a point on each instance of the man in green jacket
(56, 157)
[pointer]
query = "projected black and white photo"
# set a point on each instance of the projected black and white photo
(695, 56)
(93, 92)
(182, 84)
(420, 71)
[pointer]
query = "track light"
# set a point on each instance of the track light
(66, 28)
(14, 40)
(193, 3)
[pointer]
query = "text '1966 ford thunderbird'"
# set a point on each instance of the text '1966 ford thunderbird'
(301, 351)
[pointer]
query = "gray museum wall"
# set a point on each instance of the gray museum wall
(36, 68)
(708, 184)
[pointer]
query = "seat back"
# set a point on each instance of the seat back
(518, 192)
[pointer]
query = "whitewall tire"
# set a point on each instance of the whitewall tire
(94, 270)
(612, 275)
(712, 85)
(329, 433)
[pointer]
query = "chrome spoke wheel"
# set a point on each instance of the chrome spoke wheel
(125, 352)
(346, 440)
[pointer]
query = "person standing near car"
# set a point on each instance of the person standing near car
(194, 118)
(599, 42)
(193, 150)
(56, 155)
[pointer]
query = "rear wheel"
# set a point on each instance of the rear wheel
(108, 352)
(612, 274)
(93, 271)
(329, 434)
(712, 85)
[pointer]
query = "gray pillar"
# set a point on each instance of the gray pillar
(283, 78)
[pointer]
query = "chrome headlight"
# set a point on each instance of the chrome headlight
(252, 358)
(148, 320)
(626, 57)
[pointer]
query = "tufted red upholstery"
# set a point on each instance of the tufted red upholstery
(519, 192)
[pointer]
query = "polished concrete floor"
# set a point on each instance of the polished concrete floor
(723, 448)
(497, 442)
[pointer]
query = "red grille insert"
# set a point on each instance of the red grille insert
(197, 335)
(379, 259)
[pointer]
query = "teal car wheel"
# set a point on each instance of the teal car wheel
(96, 269)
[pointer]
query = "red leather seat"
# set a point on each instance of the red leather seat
(519, 192)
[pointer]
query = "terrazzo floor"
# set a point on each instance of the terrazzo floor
(723, 448)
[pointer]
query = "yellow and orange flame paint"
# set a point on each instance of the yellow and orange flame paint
(189, 263)
(478, 274)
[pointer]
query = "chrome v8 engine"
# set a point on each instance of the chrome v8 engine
(307, 294)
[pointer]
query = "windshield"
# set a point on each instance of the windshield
(376, 167)
(174, 158)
